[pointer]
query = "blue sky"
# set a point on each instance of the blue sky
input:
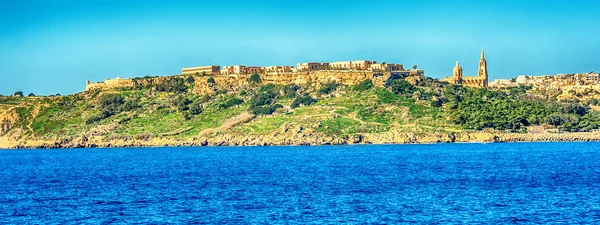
(50, 47)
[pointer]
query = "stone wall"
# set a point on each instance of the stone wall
(238, 81)
(109, 84)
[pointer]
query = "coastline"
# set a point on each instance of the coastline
(297, 140)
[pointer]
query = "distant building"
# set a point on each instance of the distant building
(502, 83)
(356, 64)
(308, 66)
(254, 69)
(479, 81)
(238, 69)
(202, 70)
(277, 69)
(386, 67)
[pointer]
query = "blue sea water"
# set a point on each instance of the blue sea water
(438, 183)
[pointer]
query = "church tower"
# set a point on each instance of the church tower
(483, 74)
(457, 73)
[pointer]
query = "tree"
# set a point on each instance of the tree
(302, 100)
(231, 102)
(190, 80)
(328, 88)
(364, 85)
(195, 108)
(211, 80)
(255, 78)
(401, 86)
(18, 94)
(415, 67)
(31, 95)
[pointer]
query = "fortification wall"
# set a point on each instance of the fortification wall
(109, 84)
(238, 81)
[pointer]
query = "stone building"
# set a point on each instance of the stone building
(273, 70)
(109, 83)
(254, 69)
(202, 70)
(356, 65)
(479, 81)
(386, 67)
(238, 69)
(309, 66)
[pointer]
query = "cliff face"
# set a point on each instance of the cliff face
(239, 81)
(323, 108)
(7, 119)
(296, 137)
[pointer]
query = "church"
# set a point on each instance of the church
(479, 81)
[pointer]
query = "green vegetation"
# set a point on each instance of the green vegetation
(303, 100)
(328, 88)
(173, 84)
(211, 80)
(255, 79)
(512, 110)
(231, 102)
(171, 107)
(365, 85)
(111, 104)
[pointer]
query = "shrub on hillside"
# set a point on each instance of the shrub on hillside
(195, 108)
(268, 88)
(364, 85)
(255, 78)
(190, 80)
(111, 103)
(211, 80)
(181, 103)
(302, 100)
(328, 88)
(401, 86)
(266, 110)
(176, 85)
(31, 95)
(261, 99)
(231, 102)
(18, 94)
(290, 90)
(265, 96)
(436, 103)
(129, 105)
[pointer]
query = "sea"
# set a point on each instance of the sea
(499, 183)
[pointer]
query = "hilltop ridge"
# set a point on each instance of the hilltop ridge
(341, 107)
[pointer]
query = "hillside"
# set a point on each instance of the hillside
(174, 112)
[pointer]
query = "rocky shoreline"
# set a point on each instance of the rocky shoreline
(298, 139)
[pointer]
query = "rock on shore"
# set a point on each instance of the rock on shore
(296, 137)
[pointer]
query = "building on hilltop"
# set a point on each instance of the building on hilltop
(479, 81)
(202, 70)
(237, 69)
(387, 67)
(254, 69)
(109, 83)
(356, 64)
(274, 70)
(309, 66)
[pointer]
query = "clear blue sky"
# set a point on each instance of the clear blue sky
(49, 47)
